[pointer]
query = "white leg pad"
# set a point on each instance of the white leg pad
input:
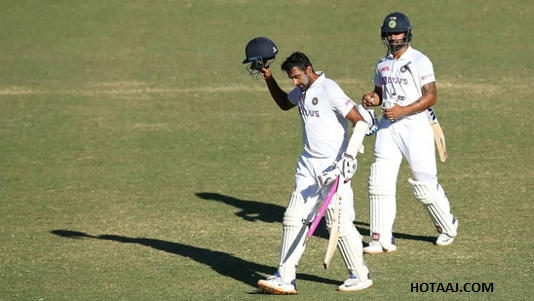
(349, 244)
(382, 205)
(294, 233)
(437, 205)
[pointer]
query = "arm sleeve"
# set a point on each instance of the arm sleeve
(293, 96)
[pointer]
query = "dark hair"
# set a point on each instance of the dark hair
(296, 59)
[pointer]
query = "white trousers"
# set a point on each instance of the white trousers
(302, 207)
(411, 138)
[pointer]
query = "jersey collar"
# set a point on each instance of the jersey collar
(318, 81)
(405, 55)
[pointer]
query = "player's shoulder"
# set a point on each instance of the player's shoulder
(327, 82)
(382, 60)
(331, 87)
(418, 56)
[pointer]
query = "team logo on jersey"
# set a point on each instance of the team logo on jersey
(315, 101)
(403, 69)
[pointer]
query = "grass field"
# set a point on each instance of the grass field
(139, 161)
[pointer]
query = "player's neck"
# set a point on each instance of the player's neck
(313, 77)
(399, 53)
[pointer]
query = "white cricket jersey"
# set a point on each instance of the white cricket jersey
(322, 110)
(401, 79)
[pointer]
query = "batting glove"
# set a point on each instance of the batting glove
(347, 166)
(369, 117)
(329, 175)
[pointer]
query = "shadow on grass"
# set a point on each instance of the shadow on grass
(365, 232)
(270, 213)
(223, 263)
(250, 210)
(257, 211)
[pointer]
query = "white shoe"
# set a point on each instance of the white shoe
(273, 285)
(444, 239)
(375, 247)
(354, 284)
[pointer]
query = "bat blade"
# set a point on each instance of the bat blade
(334, 233)
(439, 138)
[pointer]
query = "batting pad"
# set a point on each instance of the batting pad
(293, 235)
(382, 204)
(349, 243)
(436, 204)
(351, 250)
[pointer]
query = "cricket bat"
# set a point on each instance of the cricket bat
(439, 137)
(322, 209)
(334, 233)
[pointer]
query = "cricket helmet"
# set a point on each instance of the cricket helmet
(260, 52)
(396, 23)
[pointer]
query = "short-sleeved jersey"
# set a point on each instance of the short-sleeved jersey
(322, 108)
(401, 79)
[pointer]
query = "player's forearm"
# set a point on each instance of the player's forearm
(420, 105)
(279, 96)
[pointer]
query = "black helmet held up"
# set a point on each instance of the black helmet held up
(396, 23)
(260, 49)
(260, 52)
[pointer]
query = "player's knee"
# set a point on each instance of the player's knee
(425, 177)
(347, 228)
(379, 181)
(294, 216)
(424, 192)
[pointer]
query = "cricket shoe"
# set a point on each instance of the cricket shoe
(274, 285)
(354, 284)
(375, 247)
(444, 239)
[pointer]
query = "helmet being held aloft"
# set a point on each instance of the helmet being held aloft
(260, 52)
(395, 23)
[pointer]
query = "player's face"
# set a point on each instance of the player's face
(396, 38)
(299, 78)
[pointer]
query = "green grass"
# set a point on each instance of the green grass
(138, 160)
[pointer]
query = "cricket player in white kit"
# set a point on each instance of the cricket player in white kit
(405, 88)
(324, 110)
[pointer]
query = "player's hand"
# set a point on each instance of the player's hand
(394, 113)
(329, 175)
(266, 72)
(370, 99)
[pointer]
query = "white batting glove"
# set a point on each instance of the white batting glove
(369, 117)
(329, 175)
(347, 166)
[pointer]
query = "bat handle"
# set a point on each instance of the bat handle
(432, 115)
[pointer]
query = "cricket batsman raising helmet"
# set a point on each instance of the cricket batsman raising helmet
(325, 112)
